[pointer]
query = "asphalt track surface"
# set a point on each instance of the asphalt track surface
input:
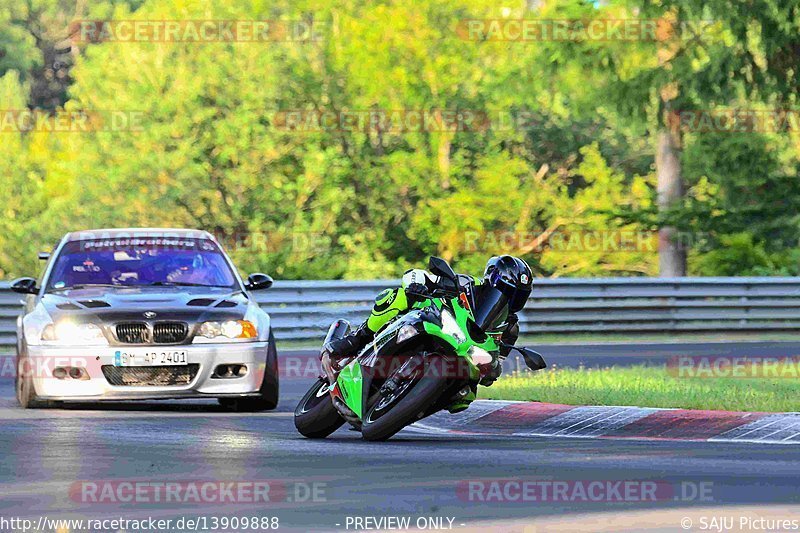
(49, 457)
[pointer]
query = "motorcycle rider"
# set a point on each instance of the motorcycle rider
(495, 299)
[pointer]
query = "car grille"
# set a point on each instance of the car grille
(150, 376)
(162, 333)
(170, 332)
(132, 333)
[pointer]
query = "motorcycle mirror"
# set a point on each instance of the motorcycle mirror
(533, 360)
(440, 267)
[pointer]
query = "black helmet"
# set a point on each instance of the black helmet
(507, 284)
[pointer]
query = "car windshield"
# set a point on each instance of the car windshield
(138, 262)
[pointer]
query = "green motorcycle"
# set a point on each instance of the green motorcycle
(424, 361)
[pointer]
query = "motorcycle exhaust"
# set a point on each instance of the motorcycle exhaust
(346, 413)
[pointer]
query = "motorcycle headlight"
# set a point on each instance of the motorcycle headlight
(480, 356)
(405, 333)
(451, 327)
(230, 330)
(67, 332)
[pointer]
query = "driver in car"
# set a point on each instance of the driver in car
(496, 299)
(191, 269)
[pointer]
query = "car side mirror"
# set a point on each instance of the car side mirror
(25, 286)
(442, 268)
(258, 282)
(44, 256)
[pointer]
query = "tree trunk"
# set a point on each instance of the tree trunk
(671, 250)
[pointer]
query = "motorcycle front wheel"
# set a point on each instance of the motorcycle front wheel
(408, 402)
(315, 416)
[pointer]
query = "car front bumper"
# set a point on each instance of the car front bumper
(42, 360)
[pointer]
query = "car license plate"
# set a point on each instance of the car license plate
(150, 358)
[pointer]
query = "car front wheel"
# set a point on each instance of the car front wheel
(23, 383)
(268, 393)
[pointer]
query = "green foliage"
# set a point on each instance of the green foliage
(211, 149)
(17, 46)
(739, 255)
(753, 190)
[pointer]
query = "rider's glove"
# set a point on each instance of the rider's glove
(494, 373)
(510, 335)
(417, 292)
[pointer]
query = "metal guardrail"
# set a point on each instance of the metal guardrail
(302, 310)
(10, 307)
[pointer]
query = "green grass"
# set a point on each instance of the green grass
(647, 386)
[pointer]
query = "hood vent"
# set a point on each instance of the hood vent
(94, 304)
(84, 304)
(226, 304)
(200, 302)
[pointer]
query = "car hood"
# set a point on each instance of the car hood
(189, 304)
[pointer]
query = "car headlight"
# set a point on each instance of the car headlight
(451, 327)
(230, 330)
(66, 332)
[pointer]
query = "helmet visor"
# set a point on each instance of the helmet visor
(492, 310)
(517, 297)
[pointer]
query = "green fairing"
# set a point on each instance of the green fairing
(350, 378)
(350, 384)
(462, 315)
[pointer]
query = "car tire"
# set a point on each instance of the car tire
(269, 391)
(23, 385)
(26, 395)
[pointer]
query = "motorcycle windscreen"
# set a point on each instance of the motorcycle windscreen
(492, 310)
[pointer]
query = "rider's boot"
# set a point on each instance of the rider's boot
(348, 346)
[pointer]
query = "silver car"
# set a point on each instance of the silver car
(133, 314)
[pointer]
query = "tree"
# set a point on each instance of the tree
(580, 134)
(739, 60)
